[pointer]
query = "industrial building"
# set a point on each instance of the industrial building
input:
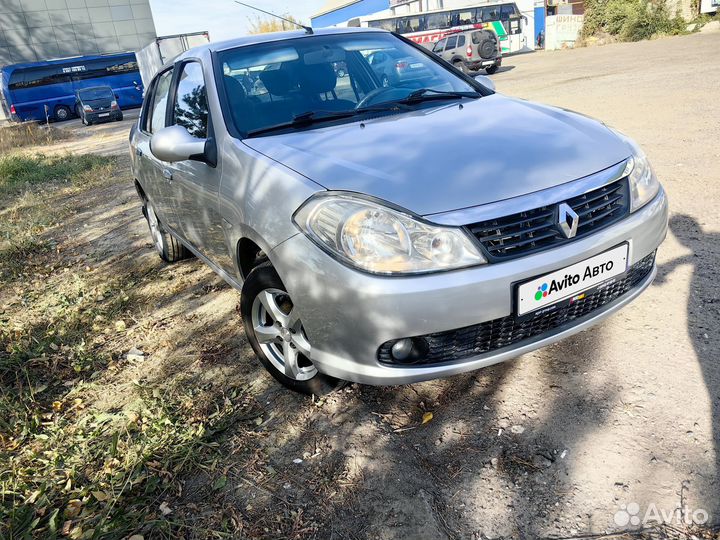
(35, 30)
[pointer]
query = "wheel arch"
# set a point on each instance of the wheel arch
(249, 254)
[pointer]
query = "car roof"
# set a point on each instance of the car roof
(270, 37)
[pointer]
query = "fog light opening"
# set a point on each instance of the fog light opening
(409, 350)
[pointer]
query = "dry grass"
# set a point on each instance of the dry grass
(30, 188)
(28, 134)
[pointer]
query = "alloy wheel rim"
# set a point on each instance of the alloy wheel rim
(281, 336)
(155, 228)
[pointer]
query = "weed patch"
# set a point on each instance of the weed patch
(18, 171)
(27, 209)
(28, 134)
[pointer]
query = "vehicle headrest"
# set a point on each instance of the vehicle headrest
(235, 89)
(277, 81)
(318, 79)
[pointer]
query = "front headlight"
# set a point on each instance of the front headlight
(644, 184)
(381, 240)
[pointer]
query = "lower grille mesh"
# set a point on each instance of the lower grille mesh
(489, 336)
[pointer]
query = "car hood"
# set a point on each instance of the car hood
(450, 157)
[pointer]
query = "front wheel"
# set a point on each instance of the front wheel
(276, 334)
(491, 69)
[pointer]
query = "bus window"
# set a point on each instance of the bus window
(490, 13)
(507, 11)
(436, 21)
(385, 24)
(34, 77)
(411, 24)
(94, 69)
(466, 17)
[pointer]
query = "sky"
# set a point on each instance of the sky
(224, 19)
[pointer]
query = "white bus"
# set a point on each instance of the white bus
(428, 27)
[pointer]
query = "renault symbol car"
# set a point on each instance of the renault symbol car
(389, 230)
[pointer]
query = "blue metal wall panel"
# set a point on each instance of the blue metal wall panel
(357, 9)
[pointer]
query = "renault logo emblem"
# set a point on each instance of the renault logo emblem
(568, 220)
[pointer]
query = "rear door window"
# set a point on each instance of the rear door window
(451, 43)
(158, 108)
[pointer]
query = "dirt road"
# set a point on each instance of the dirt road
(552, 444)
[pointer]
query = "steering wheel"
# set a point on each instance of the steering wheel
(370, 98)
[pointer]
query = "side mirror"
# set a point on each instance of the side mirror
(174, 143)
(486, 81)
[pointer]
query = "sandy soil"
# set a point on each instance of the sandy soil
(552, 444)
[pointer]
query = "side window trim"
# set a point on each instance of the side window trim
(147, 106)
(149, 101)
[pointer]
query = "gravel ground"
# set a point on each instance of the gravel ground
(552, 444)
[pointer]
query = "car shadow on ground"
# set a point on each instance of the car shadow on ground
(703, 311)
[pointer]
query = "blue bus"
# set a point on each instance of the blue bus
(26, 89)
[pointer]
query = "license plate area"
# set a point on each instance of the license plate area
(570, 283)
(104, 114)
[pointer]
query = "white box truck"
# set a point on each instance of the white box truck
(163, 49)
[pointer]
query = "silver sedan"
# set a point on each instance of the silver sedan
(387, 231)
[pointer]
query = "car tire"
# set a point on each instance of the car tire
(62, 113)
(491, 69)
(268, 316)
(120, 118)
(460, 66)
(168, 247)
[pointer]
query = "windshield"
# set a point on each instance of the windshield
(91, 94)
(271, 84)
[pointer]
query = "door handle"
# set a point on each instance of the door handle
(167, 174)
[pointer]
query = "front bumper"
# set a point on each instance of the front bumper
(476, 65)
(96, 117)
(348, 315)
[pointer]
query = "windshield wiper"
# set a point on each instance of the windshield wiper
(427, 94)
(314, 117)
